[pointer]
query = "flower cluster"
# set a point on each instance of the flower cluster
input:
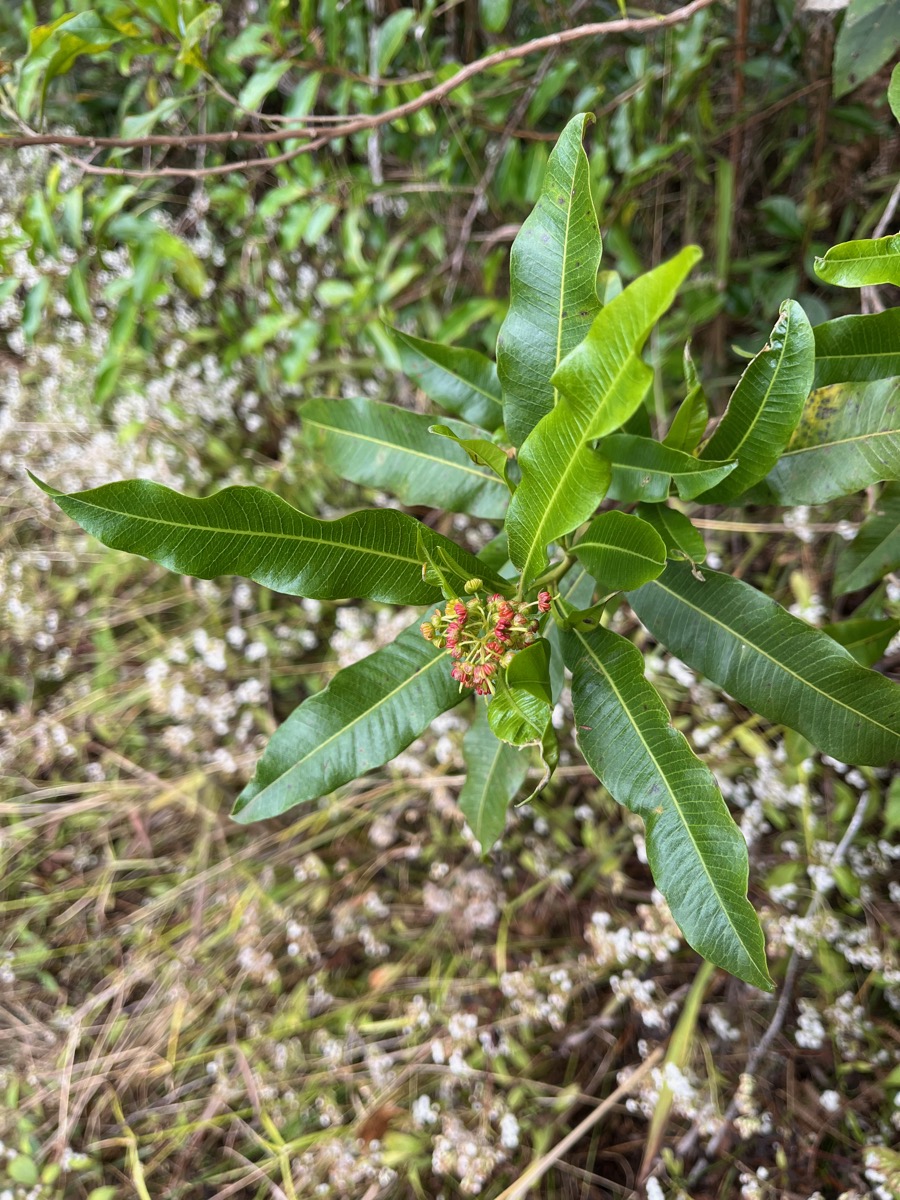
(483, 635)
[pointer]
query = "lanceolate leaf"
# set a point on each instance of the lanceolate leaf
(868, 38)
(602, 382)
(875, 550)
(380, 445)
(866, 638)
(847, 439)
(494, 773)
(479, 450)
(681, 538)
(367, 714)
(863, 263)
(696, 852)
(621, 551)
(765, 406)
(774, 663)
(858, 349)
(462, 382)
(516, 715)
(553, 285)
(691, 419)
(643, 469)
(530, 669)
(247, 531)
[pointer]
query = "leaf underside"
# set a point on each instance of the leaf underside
(847, 439)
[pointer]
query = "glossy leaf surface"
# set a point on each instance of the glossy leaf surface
(494, 773)
(863, 263)
(621, 551)
(602, 382)
(479, 450)
(516, 715)
(696, 852)
(553, 285)
(681, 538)
(250, 532)
(462, 382)
(858, 349)
(367, 714)
(765, 406)
(382, 446)
(875, 551)
(689, 423)
(775, 664)
(866, 638)
(643, 469)
(847, 439)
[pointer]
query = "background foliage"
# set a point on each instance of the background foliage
(350, 1003)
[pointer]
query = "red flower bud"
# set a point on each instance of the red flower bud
(543, 602)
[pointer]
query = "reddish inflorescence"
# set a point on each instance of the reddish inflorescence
(483, 634)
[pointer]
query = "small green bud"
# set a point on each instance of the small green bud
(474, 585)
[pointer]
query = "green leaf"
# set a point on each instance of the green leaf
(494, 14)
(894, 92)
(868, 38)
(553, 284)
(516, 715)
(368, 713)
(250, 532)
(602, 382)
(847, 439)
(462, 382)
(765, 406)
(775, 664)
(621, 551)
(866, 638)
(875, 551)
(23, 1169)
(260, 83)
(480, 451)
(696, 852)
(858, 349)
(692, 417)
(54, 49)
(530, 670)
(864, 263)
(681, 538)
(643, 469)
(391, 36)
(382, 446)
(494, 773)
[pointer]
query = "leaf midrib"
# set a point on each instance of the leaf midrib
(591, 545)
(762, 405)
(482, 802)
(398, 449)
(857, 437)
(537, 543)
(781, 666)
(662, 775)
(281, 537)
(416, 675)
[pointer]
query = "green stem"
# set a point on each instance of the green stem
(556, 572)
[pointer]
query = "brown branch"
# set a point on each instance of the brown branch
(321, 138)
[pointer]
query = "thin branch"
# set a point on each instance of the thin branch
(361, 123)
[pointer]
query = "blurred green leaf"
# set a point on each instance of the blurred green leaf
(875, 551)
(868, 38)
(391, 36)
(494, 773)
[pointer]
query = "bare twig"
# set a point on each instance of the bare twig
(318, 138)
